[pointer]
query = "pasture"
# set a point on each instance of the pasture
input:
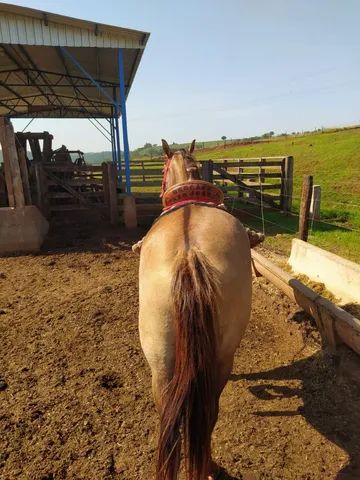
(333, 158)
(76, 403)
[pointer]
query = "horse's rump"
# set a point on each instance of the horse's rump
(190, 400)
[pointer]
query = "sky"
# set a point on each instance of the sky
(233, 67)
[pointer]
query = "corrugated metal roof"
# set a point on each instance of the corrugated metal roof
(36, 79)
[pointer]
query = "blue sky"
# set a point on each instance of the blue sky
(234, 68)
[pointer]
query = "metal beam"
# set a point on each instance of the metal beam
(124, 119)
(7, 107)
(14, 92)
(32, 63)
(81, 113)
(87, 74)
(16, 62)
(77, 90)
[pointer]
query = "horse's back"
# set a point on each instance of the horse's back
(223, 241)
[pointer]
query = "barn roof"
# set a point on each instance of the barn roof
(48, 61)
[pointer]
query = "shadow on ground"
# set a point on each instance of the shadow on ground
(330, 402)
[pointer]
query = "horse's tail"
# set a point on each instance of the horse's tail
(190, 400)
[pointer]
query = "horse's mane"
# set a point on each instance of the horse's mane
(191, 164)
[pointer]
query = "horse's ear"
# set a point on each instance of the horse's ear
(192, 146)
(166, 148)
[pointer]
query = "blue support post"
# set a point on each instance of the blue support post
(113, 147)
(124, 120)
(116, 114)
(118, 147)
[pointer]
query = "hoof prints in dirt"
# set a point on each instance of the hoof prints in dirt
(110, 381)
(3, 385)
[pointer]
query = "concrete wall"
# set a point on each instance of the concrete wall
(340, 276)
(21, 229)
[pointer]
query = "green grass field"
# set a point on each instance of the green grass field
(333, 158)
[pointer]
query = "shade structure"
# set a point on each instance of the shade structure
(52, 66)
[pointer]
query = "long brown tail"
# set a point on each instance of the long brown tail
(190, 400)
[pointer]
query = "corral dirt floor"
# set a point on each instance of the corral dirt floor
(75, 400)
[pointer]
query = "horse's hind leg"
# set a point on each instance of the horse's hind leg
(224, 370)
(159, 382)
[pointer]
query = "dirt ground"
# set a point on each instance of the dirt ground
(75, 399)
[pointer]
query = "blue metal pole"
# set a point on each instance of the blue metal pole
(124, 119)
(118, 147)
(117, 135)
(112, 139)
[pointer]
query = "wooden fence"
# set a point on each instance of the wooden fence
(60, 187)
(254, 179)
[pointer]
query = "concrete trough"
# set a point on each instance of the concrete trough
(340, 276)
(22, 229)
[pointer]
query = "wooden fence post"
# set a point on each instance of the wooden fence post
(305, 207)
(40, 180)
(11, 164)
(315, 202)
(105, 180)
(113, 201)
(207, 171)
(47, 147)
(287, 184)
(24, 174)
(7, 170)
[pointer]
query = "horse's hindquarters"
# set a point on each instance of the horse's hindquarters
(224, 243)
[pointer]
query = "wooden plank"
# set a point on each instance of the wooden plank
(74, 182)
(99, 194)
(69, 208)
(246, 164)
(24, 174)
(282, 187)
(154, 183)
(288, 183)
(207, 171)
(158, 172)
(305, 207)
(40, 186)
(35, 149)
(243, 176)
(34, 135)
(245, 159)
(346, 328)
(66, 186)
(47, 146)
(113, 203)
(106, 184)
(11, 163)
(254, 186)
(72, 168)
(233, 178)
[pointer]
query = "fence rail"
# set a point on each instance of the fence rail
(248, 177)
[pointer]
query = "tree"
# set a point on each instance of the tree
(223, 138)
(147, 145)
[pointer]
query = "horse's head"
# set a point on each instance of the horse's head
(180, 166)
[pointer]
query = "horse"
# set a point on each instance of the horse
(195, 290)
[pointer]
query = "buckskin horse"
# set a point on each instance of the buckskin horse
(195, 301)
